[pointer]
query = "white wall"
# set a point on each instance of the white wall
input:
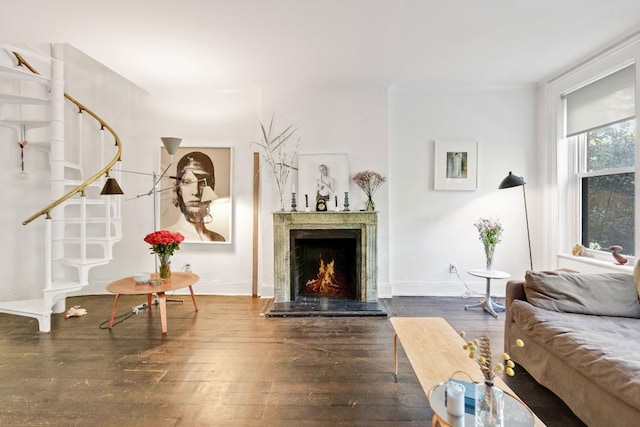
(388, 130)
(349, 120)
(201, 119)
(430, 229)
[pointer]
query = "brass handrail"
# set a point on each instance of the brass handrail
(105, 170)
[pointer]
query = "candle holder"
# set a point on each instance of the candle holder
(346, 201)
(337, 208)
(306, 203)
(293, 203)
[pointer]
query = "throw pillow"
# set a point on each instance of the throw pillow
(605, 294)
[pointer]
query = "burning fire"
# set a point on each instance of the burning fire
(326, 283)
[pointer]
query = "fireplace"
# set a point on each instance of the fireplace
(329, 255)
(325, 264)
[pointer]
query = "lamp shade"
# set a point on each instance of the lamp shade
(111, 188)
(511, 181)
(171, 144)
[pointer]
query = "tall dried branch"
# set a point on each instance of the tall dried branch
(275, 153)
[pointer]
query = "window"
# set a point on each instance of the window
(600, 124)
(606, 159)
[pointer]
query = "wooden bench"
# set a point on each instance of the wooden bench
(435, 352)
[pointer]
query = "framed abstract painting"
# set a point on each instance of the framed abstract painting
(455, 165)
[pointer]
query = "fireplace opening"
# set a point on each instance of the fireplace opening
(325, 264)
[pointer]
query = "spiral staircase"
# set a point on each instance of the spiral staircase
(81, 226)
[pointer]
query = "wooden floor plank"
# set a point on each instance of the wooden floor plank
(228, 365)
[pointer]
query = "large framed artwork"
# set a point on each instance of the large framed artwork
(322, 181)
(455, 165)
(183, 208)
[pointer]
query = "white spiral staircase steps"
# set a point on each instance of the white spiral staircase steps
(94, 217)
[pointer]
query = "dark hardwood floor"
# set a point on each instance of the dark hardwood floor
(228, 365)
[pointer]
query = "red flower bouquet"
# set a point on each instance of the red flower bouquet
(164, 241)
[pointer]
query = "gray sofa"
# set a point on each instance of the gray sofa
(582, 341)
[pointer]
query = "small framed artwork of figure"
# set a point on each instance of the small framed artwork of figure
(198, 201)
(455, 165)
(322, 181)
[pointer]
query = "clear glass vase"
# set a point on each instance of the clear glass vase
(165, 266)
(489, 405)
(369, 205)
(488, 252)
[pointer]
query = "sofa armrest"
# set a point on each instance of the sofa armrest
(514, 291)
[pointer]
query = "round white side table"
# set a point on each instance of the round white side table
(489, 305)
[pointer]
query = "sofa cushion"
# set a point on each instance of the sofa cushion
(603, 349)
(605, 294)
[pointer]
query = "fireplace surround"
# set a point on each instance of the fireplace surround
(313, 225)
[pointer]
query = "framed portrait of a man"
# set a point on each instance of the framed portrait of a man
(196, 197)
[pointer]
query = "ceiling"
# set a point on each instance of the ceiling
(172, 45)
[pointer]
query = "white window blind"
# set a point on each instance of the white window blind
(608, 100)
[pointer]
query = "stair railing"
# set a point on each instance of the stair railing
(104, 171)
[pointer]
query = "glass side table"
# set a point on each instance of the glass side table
(516, 413)
(489, 305)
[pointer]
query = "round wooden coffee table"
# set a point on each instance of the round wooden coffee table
(128, 286)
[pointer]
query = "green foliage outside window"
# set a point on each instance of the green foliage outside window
(611, 147)
(608, 199)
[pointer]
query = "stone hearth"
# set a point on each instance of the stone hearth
(364, 222)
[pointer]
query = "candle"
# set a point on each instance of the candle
(455, 399)
(293, 188)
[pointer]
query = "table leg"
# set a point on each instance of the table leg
(149, 297)
(436, 421)
(487, 303)
(193, 297)
(482, 303)
(488, 307)
(395, 352)
(162, 303)
(113, 311)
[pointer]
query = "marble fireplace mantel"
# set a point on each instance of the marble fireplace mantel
(366, 222)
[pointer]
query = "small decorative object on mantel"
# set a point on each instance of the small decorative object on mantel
(321, 205)
(490, 235)
(369, 182)
(306, 203)
(164, 243)
(294, 205)
(615, 251)
(346, 201)
(489, 399)
(277, 156)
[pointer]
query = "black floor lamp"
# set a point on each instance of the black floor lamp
(517, 181)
